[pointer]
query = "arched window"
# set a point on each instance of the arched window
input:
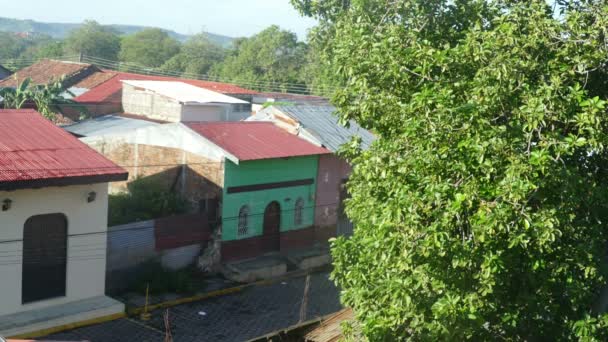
(297, 217)
(243, 228)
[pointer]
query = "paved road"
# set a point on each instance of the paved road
(237, 317)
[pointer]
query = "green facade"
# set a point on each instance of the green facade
(263, 172)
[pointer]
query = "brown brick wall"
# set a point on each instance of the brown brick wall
(200, 178)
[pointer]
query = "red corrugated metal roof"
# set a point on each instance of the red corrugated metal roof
(32, 149)
(111, 90)
(255, 140)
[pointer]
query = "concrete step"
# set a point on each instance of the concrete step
(260, 268)
(69, 314)
(310, 258)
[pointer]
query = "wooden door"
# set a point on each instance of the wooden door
(44, 258)
(272, 226)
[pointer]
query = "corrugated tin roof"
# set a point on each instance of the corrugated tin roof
(5, 71)
(47, 71)
(32, 149)
(107, 124)
(330, 330)
(111, 89)
(255, 140)
(322, 123)
(183, 92)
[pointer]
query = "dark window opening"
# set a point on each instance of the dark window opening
(298, 212)
(44, 258)
(243, 227)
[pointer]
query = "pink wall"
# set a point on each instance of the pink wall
(332, 170)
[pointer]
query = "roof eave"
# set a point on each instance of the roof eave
(62, 181)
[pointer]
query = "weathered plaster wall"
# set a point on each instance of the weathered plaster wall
(141, 102)
(268, 171)
(332, 171)
(86, 253)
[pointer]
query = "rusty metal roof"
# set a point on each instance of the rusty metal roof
(322, 123)
(255, 140)
(47, 71)
(35, 153)
(330, 330)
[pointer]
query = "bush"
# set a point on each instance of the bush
(146, 200)
(162, 280)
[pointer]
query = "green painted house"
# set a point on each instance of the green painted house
(268, 190)
(255, 180)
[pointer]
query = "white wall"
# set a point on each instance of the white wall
(203, 113)
(86, 254)
(212, 112)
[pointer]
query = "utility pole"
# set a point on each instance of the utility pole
(304, 305)
(168, 336)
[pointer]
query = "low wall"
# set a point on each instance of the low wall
(173, 241)
(293, 240)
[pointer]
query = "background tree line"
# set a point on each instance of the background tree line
(272, 60)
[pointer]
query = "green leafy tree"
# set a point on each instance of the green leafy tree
(93, 39)
(150, 47)
(52, 49)
(12, 46)
(270, 60)
(198, 55)
(481, 209)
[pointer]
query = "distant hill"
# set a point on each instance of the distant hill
(61, 30)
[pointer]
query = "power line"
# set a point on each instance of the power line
(116, 66)
(230, 218)
(104, 246)
(204, 77)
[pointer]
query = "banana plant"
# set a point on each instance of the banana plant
(46, 98)
(15, 98)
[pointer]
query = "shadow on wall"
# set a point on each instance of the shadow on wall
(169, 192)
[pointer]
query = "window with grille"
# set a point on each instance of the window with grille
(243, 227)
(297, 217)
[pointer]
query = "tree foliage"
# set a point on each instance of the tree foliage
(272, 58)
(93, 39)
(198, 55)
(150, 47)
(481, 209)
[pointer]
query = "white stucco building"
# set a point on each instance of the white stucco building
(53, 224)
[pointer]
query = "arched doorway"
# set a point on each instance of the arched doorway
(45, 245)
(272, 226)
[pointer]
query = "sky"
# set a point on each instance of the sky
(235, 18)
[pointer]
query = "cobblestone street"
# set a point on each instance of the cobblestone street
(237, 317)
